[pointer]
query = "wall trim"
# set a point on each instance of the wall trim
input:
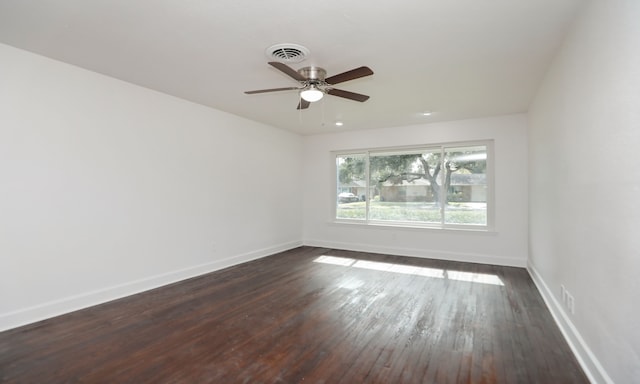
(587, 360)
(424, 253)
(73, 303)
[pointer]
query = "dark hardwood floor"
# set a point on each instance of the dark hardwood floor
(298, 317)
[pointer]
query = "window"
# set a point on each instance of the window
(442, 186)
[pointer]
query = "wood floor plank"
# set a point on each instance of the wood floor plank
(308, 315)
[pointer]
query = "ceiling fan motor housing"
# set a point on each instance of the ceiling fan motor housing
(313, 74)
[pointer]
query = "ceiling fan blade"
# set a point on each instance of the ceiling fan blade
(270, 90)
(287, 70)
(349, 75)
(348, 95)
(304, 104)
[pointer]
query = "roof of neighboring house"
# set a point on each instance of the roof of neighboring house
(354, 184)
(468, 179)
(456, 179)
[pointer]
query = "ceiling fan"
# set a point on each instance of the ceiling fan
(314, 84)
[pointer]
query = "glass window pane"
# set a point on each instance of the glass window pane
(352, 185)
(466, 185)
(405, 186)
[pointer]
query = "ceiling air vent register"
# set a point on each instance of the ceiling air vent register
(287, 53)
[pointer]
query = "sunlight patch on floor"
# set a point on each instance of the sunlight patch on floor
(470, 277)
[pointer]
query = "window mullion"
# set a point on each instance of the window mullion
(368, 187)
(443, 177)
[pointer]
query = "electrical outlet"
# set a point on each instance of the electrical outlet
(567, 299)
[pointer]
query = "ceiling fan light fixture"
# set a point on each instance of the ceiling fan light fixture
(311, 94)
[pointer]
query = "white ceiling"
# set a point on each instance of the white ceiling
(458, 58)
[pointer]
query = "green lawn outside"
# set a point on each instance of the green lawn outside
(456, 213)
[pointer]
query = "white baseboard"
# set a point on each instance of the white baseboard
(589, 363)
(424, 253)
(73, 303)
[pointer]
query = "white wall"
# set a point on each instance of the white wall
(585, 188)
(107, 188)
(507, 245)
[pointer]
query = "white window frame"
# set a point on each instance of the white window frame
(490, 184)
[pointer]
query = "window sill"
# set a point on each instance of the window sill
(413, 227)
